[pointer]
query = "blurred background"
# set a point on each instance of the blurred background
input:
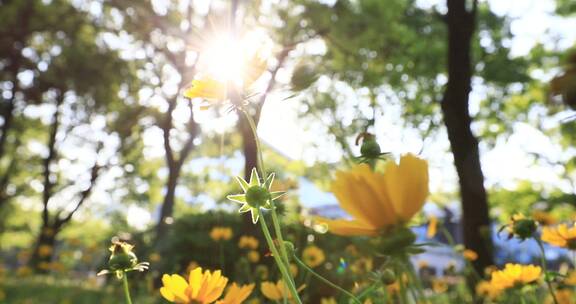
(97, 139)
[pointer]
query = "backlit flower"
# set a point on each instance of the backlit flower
(379, 201)
(313, 256)
(561, 236)
(237, 294)
(248, 242)
(206, 88)
(257, 194)
(515, 275)
(221, 234)
(202, 287)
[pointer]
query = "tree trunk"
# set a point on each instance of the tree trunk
(44, 248)
(464, 145)
(168, 204)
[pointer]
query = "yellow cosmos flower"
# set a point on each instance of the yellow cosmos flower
(206, 88)
(470, 255)
(253, 256)
(432, 227)
(486, 289)
(221, 234)
(379, 201)
(560, 236)
(202, 287)
(514, 275)
(248, 242)
(237, 294)
(276, 292)
(313, 256)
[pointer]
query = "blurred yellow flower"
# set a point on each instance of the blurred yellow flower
(221, 233)
(275, 292)
(191, 266)
(432, 227)
(563, 296)
(237, 294)
(206, 88)
(202, 287)
(313, 256)
(543, 217)
(379, 201)
(560, 236)
(261, 272)
(515, 275)
(439, 285)
(23, 271)
(470, 255)
(154, 257)
(330, 300)
(248, 242)
(253, 256)
(486, 289)
(293, 270)
(570, 278)
(45, 250)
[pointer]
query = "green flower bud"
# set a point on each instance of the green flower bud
(388, 277)
(122, 257)
(257, 196)
(370, 149)
(524, 228)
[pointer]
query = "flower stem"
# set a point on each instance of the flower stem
(543, 263)
(326, 281)
(278, 259)
(260, 167)
(126, 289)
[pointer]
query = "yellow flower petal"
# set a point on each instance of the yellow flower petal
(407, 185)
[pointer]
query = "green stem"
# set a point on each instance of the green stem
(277, 258)
(326, 281)
(278, 231)
(543, 263)
(368, 290)
(260, 161)
(126, 289)
(402, 291)
(415, 280)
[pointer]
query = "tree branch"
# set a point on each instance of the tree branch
(52, 154)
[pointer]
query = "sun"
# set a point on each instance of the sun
(230, 58)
